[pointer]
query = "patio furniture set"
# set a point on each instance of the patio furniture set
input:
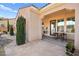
(60, 35)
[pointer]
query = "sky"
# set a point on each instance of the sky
(9, 10)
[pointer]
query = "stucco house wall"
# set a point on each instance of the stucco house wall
(35, 26)
(33, 23)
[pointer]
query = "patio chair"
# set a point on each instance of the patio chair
(55, 35)
(63, 36)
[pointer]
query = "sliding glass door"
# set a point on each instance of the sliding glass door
(52, 26)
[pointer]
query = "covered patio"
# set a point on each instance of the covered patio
(61, 18)
(60, 24)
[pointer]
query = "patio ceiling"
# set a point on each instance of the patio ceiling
(59, 13)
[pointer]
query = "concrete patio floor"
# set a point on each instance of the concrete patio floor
(45, 47)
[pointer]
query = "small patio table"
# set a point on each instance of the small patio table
(61, 35)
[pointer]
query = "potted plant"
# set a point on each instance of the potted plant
(70, 48)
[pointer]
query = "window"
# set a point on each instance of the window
(60, 25)
(70, 25)
(52, 26)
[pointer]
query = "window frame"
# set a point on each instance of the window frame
(70, 18)
(61, 19)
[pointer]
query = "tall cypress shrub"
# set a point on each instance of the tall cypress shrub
(8, 26)
(20, 34)
(11, 30)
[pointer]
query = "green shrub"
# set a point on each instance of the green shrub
(20, 34)
(8, 26)
(5, 32)
(11, 30)
(70, 48)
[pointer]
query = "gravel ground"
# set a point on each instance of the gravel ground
(3, 42)
(2, 51)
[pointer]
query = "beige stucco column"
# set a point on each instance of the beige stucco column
(34, 26)
(56, 25)
(65, 25)
(77, 28)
